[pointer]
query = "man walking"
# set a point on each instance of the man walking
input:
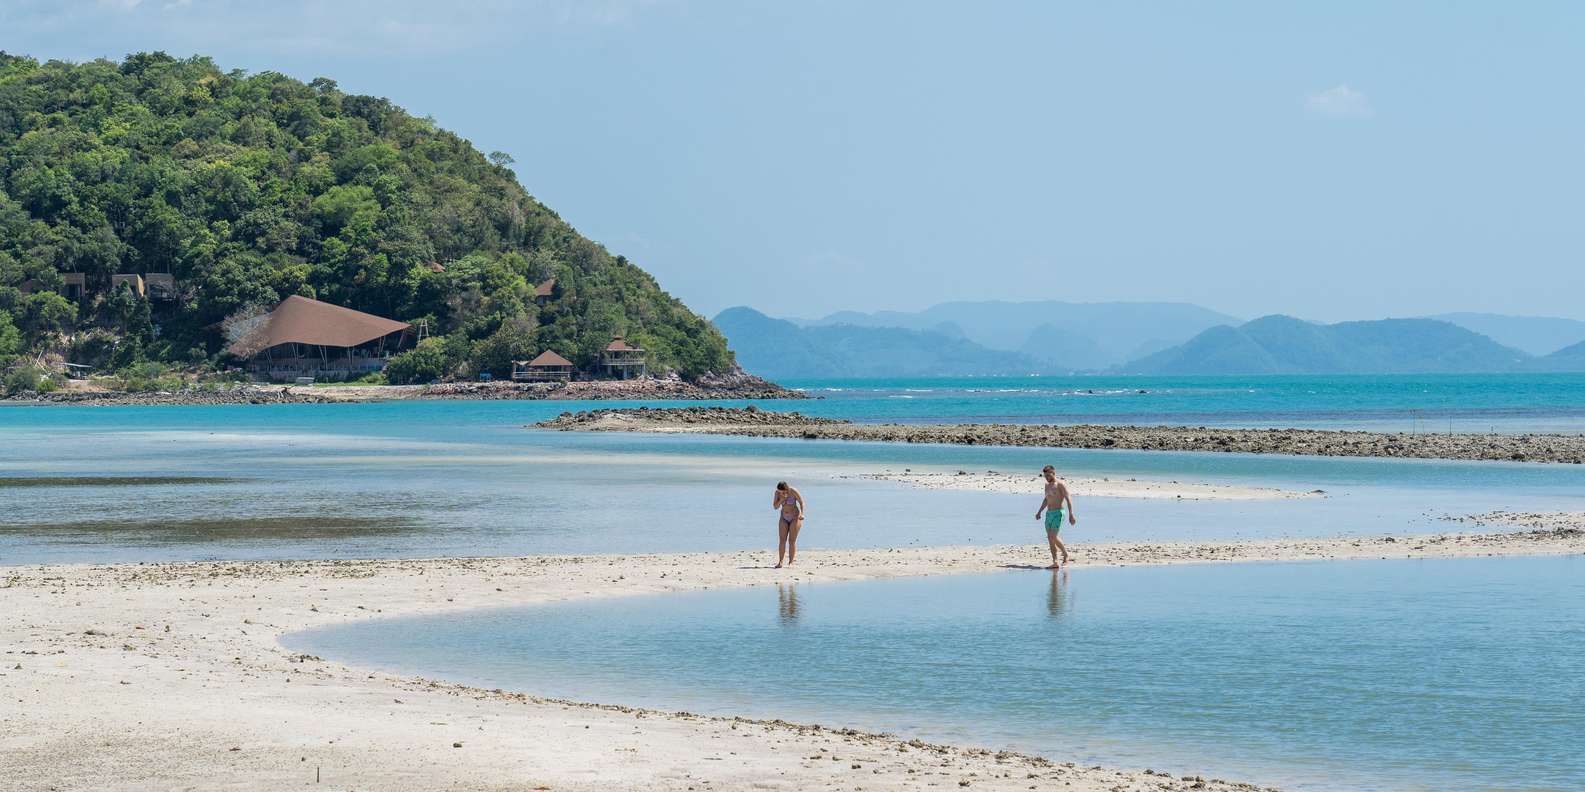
(1051, 504)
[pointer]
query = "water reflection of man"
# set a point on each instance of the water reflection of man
(1057, 598)
(787, 602)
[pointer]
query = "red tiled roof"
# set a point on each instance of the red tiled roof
(549, 358)
(618, 345)
(300, 320)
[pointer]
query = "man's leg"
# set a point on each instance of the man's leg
(1057, 540)
(1053, 543)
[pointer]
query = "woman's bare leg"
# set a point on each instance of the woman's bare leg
(781, 540)
(792, 540)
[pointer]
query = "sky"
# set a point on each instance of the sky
(1339, 160)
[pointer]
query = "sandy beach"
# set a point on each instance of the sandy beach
(751, 422)
(163, 676)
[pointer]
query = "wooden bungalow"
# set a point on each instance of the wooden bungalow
(548, 367)
(544, 291)
(621, 360)
(308, 338)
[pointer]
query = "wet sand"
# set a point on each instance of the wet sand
(159, 676)
(1302, 442)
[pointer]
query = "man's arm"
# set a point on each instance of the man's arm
(1067, 497)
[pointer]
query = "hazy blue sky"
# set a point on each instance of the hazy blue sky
(1332, 160)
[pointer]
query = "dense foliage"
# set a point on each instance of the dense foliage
(249, 188)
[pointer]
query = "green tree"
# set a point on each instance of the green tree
(423, 363)
(45, 314)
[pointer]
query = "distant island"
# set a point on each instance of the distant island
(779, 349)
(154, 211)
(1285, 345)
(1044, 337)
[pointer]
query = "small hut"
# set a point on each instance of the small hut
(548, 367)
(545, 291)
(622, 360)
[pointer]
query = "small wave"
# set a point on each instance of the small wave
(899, 396)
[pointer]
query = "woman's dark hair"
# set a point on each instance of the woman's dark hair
(781, 485)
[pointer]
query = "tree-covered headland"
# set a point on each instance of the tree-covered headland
(248, 188)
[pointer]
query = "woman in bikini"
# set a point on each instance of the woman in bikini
(791, 504)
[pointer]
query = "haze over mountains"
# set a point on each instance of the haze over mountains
(779, 349)
(1285, 345)
(1049, 337)
(1061, 336)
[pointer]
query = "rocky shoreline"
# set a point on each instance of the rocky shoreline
(1568, 449)
(709, 389)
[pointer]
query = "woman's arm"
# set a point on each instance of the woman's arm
(799, 497)
(776, 499)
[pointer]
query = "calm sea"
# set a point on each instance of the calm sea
(1428, 403)
(1360, 675)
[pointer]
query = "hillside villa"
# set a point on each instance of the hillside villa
(621, 360)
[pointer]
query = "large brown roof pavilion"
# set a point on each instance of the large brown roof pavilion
(299, 320)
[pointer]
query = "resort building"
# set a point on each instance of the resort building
(545, 291)
(548, 367)
(308, 338)
(133, 282)
(621, 360)
(161, 285)
(73, 285)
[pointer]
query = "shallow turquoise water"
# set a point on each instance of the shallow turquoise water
(465, 478)
(1417, 675)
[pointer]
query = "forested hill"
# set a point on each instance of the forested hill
(1285, 345)
(252, 187)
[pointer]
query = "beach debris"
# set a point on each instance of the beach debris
(457, 744)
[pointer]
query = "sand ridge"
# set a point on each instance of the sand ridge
(1031, 484)
(144, 676)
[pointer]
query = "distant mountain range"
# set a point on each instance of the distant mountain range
(1004, 338)
(780, 349)
(1061, 336)
(1536, 335)
(1285, 345)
